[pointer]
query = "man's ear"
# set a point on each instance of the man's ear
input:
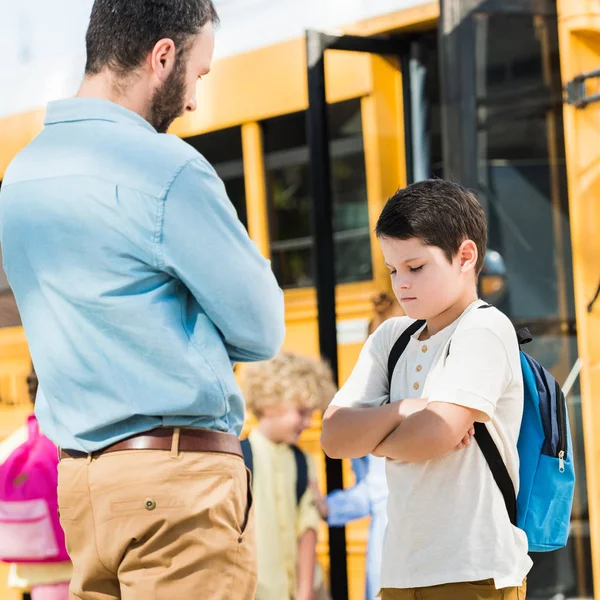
(163, 58)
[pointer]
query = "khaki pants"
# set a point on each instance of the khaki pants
(158, 525)
(475, 590)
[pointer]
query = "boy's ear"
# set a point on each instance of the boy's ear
(467, 254)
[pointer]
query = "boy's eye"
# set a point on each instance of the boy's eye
(393, 272)
(415, 269)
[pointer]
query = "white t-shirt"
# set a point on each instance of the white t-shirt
(447, 521)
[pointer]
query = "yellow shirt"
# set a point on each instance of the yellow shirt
(280, 522)
(26, 575)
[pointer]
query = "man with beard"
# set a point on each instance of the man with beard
(139, 289)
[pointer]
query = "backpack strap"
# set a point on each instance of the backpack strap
(247, 452)
(498, 469)
(301, 472)
(301, 466)
(492, 454)
(399, 347)
(524, 336)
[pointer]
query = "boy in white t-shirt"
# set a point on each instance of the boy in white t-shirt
(449, 536)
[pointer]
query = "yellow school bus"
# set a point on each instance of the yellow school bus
(477, 94)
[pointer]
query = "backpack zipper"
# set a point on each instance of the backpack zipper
(562, 428)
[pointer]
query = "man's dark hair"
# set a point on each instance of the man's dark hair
(122, 33)
(439, 212)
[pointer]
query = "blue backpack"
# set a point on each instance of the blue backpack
(546, 473)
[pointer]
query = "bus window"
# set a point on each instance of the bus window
(288, 196)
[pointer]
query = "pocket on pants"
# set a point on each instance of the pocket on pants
(246, 501)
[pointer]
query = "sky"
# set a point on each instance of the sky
(44, 52)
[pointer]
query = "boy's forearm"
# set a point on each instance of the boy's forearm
(405, 443)
(307, 560)
(425, 435)
(355, 432)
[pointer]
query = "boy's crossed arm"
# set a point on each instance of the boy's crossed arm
(430, 432)
(350, 432)
(410, 430)
(475, 375)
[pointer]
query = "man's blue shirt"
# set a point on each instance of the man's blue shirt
(137, 285)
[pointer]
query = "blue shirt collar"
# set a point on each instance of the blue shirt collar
(92, 109)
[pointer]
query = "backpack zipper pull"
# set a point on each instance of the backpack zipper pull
(561, 461)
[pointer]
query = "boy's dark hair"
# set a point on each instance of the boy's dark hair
(122, 33)
(439, 212)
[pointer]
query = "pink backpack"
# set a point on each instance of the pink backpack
(30, 531)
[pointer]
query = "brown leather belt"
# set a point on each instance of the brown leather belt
(190, 440)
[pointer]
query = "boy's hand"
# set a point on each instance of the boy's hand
(319, 502)
(467, 439)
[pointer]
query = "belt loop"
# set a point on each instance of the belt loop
(175, 442)
(89, 458)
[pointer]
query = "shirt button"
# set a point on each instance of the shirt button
(416, 385)
(419, 368)
(424, 348)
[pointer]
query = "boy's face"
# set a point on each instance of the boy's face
(286, 424)
(425, 282)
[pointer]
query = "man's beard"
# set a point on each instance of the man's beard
(168, 101)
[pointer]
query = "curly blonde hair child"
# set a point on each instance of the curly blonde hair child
(291, 380)
(283, 393)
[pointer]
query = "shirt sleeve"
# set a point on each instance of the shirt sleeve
(367, 385)
(351, 503)
(204, 245)
(348, 505)
(307, 515)
(476, 373)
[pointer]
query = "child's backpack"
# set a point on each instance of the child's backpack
(301, 466)
(546, 472)
(30, 531)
